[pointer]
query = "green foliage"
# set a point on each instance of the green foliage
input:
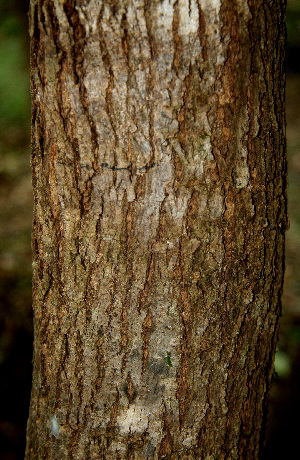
(293, 23)
(168, 359)
(282, 364)
(14, 75)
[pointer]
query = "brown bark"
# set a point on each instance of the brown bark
(159, 176)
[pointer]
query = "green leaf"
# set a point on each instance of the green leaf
(168, 359)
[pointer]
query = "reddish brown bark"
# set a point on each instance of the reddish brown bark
(159, 174)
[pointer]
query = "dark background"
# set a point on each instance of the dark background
(15, 250)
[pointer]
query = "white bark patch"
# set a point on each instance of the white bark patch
(189, 17)
(177, 205)
(216, 205)
(208, 4)
(242, 176)
(159, 177)
(90, 11)
(165, 14)
(204, 153)
(54, 426)
(241, 173)
(133, 420)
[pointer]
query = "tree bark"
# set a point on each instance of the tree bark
(159, 177)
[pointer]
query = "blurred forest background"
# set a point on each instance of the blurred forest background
(15, 250)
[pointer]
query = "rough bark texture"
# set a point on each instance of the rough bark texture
(159, 175)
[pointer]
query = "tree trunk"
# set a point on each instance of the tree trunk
(159, 176)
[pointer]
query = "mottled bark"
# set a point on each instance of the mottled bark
(159, 176)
